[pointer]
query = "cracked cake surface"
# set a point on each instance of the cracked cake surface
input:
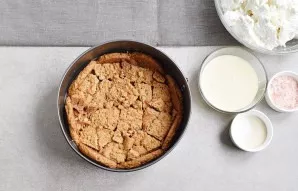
(123, 110)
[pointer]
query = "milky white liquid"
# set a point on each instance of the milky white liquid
(229, 83)
(248, 131)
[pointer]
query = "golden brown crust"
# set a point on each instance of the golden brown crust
(113, 58)
(122, 110)
(176, 97)
(171, 133)
(158, 77)
(96, 156)
(146, 61)
(141, 160)
(175, 94)
(83, 74)
(71, 121)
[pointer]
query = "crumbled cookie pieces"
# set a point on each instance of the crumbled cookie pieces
(88, 136)
(107, 71)
(158, 77)
(156, 123)
(104, 136)
(122, 110)
(106, 118)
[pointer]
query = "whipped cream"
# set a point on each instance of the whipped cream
(262, 23)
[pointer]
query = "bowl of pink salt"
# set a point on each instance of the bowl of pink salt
(282, 92)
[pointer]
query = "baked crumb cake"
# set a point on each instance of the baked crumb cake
(123, 110)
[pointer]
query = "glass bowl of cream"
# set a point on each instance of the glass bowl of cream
(232, 80)
(267, 26)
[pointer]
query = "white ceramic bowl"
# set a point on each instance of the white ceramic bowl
(268, 126)
(268, 92)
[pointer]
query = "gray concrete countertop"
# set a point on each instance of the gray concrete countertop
(35, 156)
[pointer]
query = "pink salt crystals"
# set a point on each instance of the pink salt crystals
(284, 92)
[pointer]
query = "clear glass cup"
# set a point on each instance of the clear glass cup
(256, 65)
(291, 46)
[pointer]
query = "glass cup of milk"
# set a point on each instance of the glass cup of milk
(232, 80)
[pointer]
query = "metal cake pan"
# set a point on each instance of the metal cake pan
(122, 46)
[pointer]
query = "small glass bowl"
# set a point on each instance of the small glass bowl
(292, 46)
(256, 65)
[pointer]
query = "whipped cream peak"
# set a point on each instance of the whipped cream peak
(262, 23)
